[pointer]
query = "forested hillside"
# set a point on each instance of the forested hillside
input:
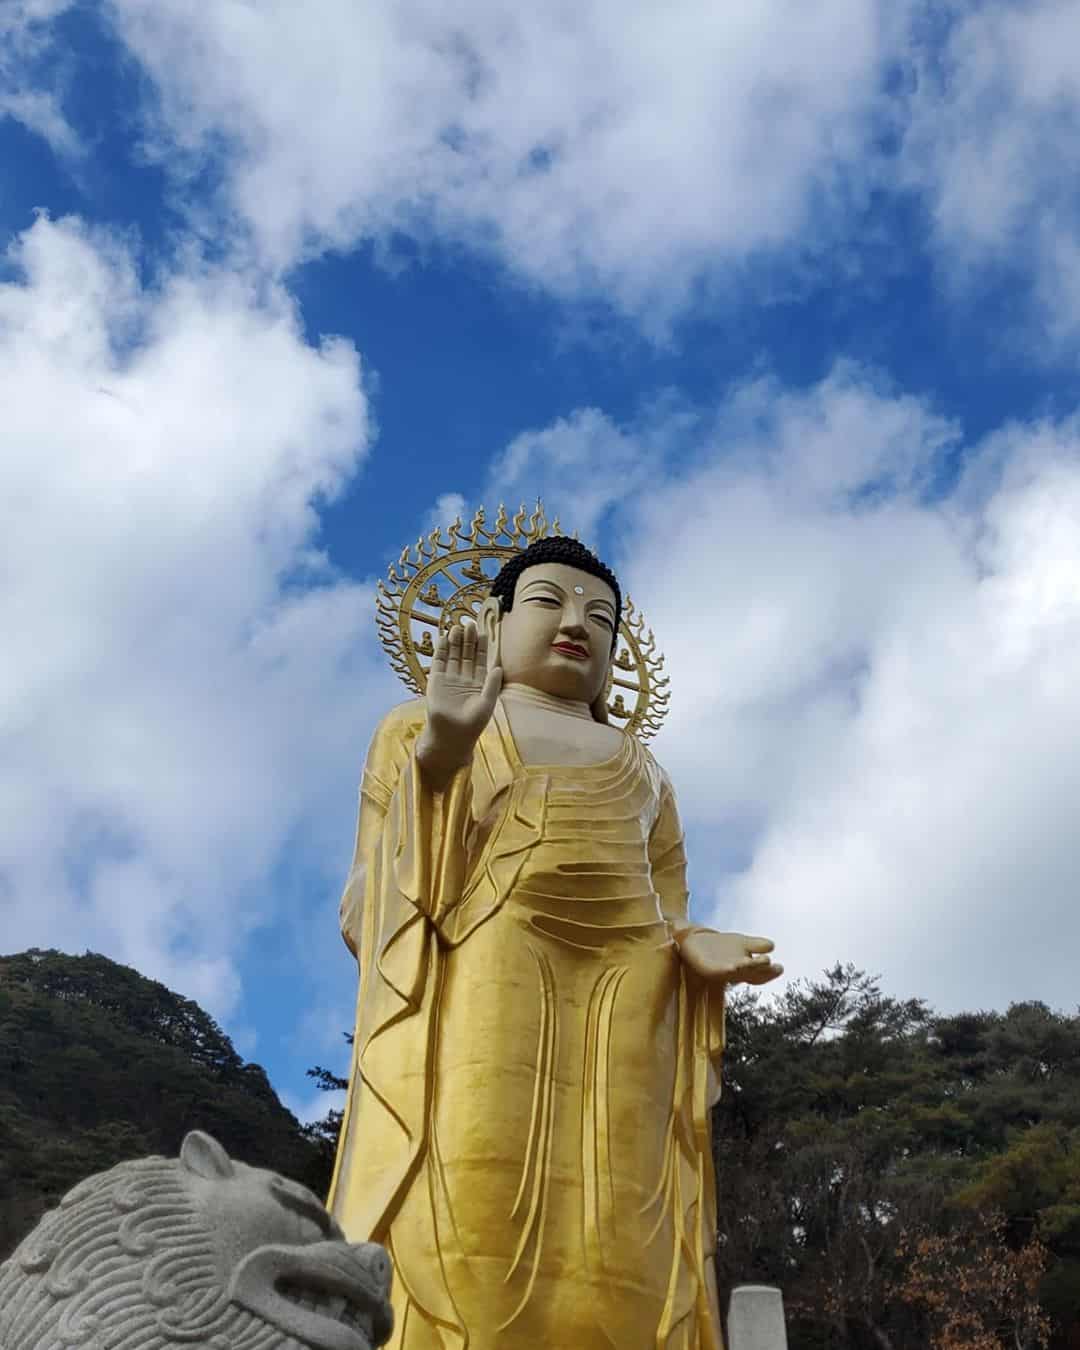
(909, 1180)
(99, 1064)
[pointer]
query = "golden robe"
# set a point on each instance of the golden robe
(527, 1125)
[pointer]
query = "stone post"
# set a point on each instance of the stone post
(755, 1319)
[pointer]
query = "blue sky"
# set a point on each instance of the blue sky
(778, 305)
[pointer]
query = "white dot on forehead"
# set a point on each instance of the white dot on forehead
(579, 590)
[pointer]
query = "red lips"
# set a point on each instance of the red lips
(571, 649)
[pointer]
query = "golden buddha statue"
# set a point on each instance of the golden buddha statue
(539, 1026)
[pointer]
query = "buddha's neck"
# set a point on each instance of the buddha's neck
(525, 693)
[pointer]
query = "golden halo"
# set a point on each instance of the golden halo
(442, 581)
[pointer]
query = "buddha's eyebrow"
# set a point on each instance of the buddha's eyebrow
(543, 581)
(554, 585)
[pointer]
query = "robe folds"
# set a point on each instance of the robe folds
(527, 1123)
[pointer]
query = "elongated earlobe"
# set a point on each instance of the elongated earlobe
(598, 707)
(490, 625)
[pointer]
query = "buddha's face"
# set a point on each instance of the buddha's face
(557, 637)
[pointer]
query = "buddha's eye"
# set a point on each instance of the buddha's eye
(543, 600)
(603, 621)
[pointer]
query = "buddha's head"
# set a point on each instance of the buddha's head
(553, 618)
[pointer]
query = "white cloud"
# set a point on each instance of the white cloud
(186, 682)
(644, 154)
(994, 142)
(25, 33)
(874, 729)
(448, 507)
(604, 462)
(937, 837)
(606, 146)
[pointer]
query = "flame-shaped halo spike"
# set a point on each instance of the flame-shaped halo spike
(637, 696)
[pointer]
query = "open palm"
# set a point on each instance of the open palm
(728, 958)
(461, 689)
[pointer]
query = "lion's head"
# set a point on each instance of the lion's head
(195, 1251)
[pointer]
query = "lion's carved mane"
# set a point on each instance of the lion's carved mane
(198, 1251)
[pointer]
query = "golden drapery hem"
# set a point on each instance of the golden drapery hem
(536, 1160)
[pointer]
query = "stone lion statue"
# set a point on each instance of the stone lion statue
(199, 1251)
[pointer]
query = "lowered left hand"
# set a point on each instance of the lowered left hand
(729, 958)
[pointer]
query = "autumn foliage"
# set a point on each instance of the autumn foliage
(975, 1291)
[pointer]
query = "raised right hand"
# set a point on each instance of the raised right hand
(461, 696)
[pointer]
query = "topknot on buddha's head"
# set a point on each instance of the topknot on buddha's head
(554, 549)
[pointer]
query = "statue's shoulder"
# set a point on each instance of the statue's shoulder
(650, 759)
(403, 718)
(390, 747)
(657, 772)
(395, 734)
(400, 726)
